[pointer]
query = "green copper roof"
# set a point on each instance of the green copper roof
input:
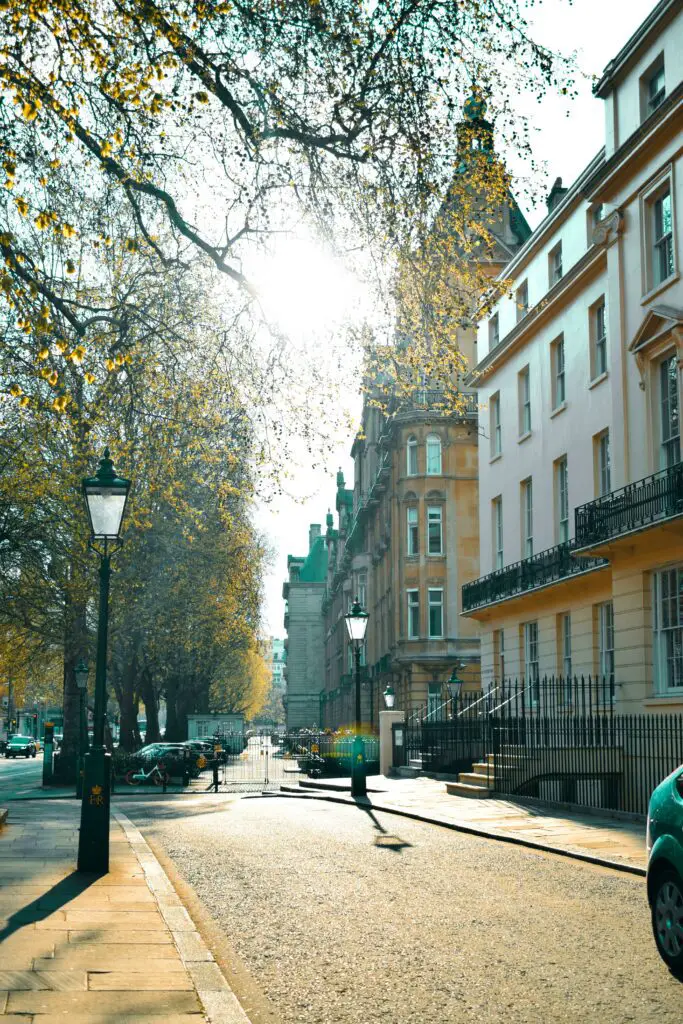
(314, 569)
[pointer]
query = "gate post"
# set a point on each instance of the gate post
(387, 758)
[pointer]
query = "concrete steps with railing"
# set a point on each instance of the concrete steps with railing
(479, 782)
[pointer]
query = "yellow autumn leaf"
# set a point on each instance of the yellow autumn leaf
(44, 353)
(60, 403)
(53, 378)
(16, 390)
(201, 97)
(78, 355)
(43, 220)
(90, 378)
(119, 359)
(68, 230)
(23, 402)
(30, 109)
(110, 364)
(70, 267)
(62, 346)
(21, 205)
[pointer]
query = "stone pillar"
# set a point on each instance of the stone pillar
(386, 720)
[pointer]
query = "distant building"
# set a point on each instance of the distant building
(278, 663)
(304, 646)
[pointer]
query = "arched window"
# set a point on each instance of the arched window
(411, 456)
(433, 455)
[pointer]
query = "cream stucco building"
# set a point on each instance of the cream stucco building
(579, 378)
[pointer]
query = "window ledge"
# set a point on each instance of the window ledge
(524, 437)
(494, 458)
(442, 554)
(598, 380)
(558, 409)
(664, 699)
(662, 286)
(413, 558)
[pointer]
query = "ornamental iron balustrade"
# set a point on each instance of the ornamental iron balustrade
(633, 507)
(549, 566)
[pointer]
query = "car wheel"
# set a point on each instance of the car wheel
(34, 753)
(667, 920)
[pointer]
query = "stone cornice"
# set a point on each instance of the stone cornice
(641, 138)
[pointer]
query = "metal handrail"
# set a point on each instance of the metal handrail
(484, 696)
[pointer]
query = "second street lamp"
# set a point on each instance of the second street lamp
(105, 495)
(356, 624)
(454, 684)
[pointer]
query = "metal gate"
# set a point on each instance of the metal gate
(263, 765)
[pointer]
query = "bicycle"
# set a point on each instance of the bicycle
(158, 775)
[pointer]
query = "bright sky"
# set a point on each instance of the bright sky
(566, 137)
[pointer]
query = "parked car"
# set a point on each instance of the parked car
(21, 746)
(207, 748)
(665, 869)
(172, 755)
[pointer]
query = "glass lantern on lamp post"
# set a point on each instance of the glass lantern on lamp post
(389, 697)
(356, 625)
(106, 495)
(455, 685)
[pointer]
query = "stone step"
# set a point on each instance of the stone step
(483, 768)
(473, 779)
(406, 772)
(464, 789)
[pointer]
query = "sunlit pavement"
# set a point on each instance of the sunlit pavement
(345, 915)
(20, 777)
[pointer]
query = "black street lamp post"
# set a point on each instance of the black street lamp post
(81, 672)
(106, 495)
(356, 624)
(455, 684)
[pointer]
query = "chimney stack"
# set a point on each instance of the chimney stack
(556, 194)
(313, 534)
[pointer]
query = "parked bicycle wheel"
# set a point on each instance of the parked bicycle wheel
(161, 778)
(131, 779)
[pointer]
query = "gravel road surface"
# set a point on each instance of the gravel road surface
(347, 917)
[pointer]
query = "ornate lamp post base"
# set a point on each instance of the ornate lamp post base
(93, 840)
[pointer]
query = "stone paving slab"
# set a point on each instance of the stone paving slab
(110, 950)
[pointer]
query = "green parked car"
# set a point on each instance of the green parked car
(665, 869)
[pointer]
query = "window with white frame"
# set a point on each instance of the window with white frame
(557, 370)
(670, 428)
(497, 513)
(494, 331)
(413, 534)
(566, 647)
(413, 614)
(434, 700)
(499, 654)
(598, 336)
(411, 456)
(531, 673)
(522, 300)
(524, 396)
(662, 254)
(362, 589)
(527, 518)
(435, 598)
(433, 455)
(606, 644)
(435, 530)
(668, 629)
(496, 432)
(555, 265)
(562, 500)
(602, 464)
(653, 88)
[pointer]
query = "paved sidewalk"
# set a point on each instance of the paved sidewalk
(597, 837)
(81, 949)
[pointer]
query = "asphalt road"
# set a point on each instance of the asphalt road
(346, 917)
(17, 774)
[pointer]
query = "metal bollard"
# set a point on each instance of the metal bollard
(215, 776)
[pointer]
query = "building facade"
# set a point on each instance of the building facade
(579, 380)
(304, 644)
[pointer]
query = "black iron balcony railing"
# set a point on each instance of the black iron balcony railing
(537, 571)
(632, 507)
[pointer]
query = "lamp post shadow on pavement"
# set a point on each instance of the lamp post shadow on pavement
(356, 624)
(106, 495)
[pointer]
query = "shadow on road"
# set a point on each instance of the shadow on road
(385, 840)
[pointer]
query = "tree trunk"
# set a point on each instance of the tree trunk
(173, 727)
(75, 648)
(128, 729)
(149, 698)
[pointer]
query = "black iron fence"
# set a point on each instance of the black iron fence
(536, 571)
(554, 739)
(640, 504)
